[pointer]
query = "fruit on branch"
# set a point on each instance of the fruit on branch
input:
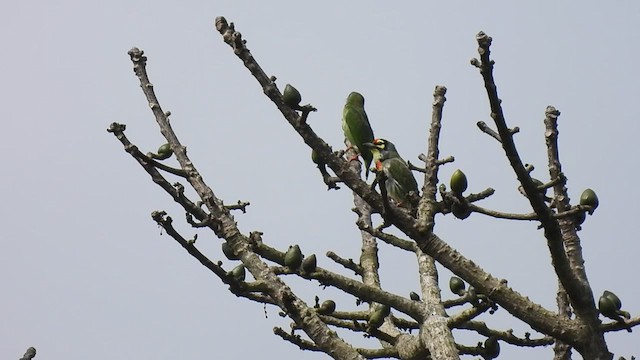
(456, 285)
(291, 96)
(414, 296)
(580, 217)
(164, 152)
(238, 273)
(309, 264)
(458, 182)
(492, 347)
(614, 298)
(607, 307)
(228, 252)
(376, 318)
(315, 157)
(327, 307)
(589, 198)
(461, 211)
(356, 127)
(539, 184)
(293, 257)
(610, 306)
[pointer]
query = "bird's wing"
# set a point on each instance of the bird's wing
(356, 126)
(397, 169)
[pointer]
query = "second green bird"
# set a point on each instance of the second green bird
(400, 181)
(356, 127)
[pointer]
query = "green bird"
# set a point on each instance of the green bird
(357, 129)
(400, 181)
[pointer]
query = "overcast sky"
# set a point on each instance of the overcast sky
(85, 272)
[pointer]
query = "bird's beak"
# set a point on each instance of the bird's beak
(368, 145)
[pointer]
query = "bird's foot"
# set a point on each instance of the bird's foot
(355, 157)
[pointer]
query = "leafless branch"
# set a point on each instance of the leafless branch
(29, 354)
(516, 304)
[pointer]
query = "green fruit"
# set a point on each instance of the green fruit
(327, 307)
(309, 264)
(614, 298)
(538, 184)
(607, 307)
(492, 347)
(456, 285)
(291, 96)
(414, 296)
(580, 217)
(589, 198)
(293, 257)
(385, 309)
(458, 182)
(164, 152)
(625, 314)
(315, 158)
(238, 273)
(460, 211)
(376, 318)
(228, 252)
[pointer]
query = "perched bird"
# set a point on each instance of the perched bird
(400, 180)
(356, 127)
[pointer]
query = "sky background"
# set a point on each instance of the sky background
(85, 272)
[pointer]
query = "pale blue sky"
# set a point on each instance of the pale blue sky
(85, 272)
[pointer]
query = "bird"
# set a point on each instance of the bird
(356, 128)
(400, 181)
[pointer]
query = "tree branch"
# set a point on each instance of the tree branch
(29, 354)
(578, 290)
(580, 293)
(518, 305)
(226, 228)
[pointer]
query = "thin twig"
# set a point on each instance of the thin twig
(507, 336)
(347, 263)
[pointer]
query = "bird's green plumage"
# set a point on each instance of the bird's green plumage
(400, 180)
(356, 127)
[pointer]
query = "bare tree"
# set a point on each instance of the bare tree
(574, 325)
